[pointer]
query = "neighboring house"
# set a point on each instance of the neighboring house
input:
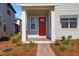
(17, 26)
(50, 21)
(7, 19)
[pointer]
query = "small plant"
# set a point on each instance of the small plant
(63, 38)
(14, 54)
(69, 37)
(19, 43)
(57, 43)
(16, 38)
(63, 47)
(32, 43)
(66, 42)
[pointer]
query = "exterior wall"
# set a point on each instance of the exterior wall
(66, 9)
(8, 19)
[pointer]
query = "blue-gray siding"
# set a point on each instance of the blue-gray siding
(32, 32)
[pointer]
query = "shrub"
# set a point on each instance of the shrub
(63, 47)
(69, 37)
(16, 38)
(63, 38)
(66, 42)
(4, 38)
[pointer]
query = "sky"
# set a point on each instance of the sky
(18, 10)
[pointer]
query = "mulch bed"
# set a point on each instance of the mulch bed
(72, 49)
(7, 48)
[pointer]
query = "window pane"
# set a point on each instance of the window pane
(73, 25)
(64, 19)
(33, 22)
(32, 26)
(4, 28)
(73, 22)
(8, 12)
(0, 23)
(64, 22)
(73, 19)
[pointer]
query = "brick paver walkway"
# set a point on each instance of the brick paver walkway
(44, 49)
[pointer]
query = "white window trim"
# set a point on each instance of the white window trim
(30, 23)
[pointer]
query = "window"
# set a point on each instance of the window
(8, 12)
(0, 23)
(64, 22)
(33, 22)
(4, 28)
(70, 22)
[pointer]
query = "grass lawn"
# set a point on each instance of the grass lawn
(7, 48)
(72, 49)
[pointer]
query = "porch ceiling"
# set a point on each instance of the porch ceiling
(38, 7)
(37, 12)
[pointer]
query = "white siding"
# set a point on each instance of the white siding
(66, 9)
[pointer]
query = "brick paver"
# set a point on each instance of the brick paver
(44, 49)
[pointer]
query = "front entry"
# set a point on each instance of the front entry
(42, 26)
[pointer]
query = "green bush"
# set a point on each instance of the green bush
(4, 38)
(14, 39)
(63, 38)
(66, 42)
(63, 47)
(19, 35)
(69, 37)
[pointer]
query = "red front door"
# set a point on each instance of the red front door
(42, 26)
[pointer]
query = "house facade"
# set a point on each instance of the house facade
(7, 19)
(50, 21)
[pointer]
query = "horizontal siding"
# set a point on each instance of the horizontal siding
(29, 31)
(62, 31)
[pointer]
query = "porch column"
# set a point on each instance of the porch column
(24, 18)
(53, 26)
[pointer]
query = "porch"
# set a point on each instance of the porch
(45, 31)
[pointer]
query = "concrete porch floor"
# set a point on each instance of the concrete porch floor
(39, 40)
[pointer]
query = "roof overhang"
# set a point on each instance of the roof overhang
(38, 4)
(11, 7)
